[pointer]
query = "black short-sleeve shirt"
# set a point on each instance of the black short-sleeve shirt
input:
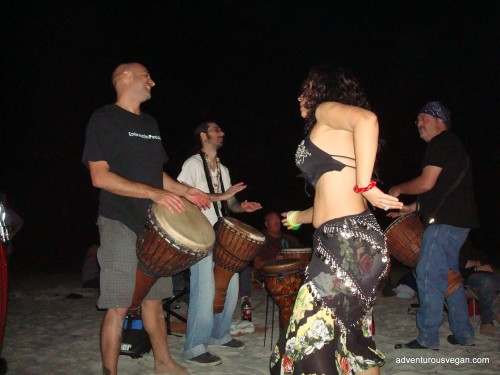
(132, 146)
(459, 208)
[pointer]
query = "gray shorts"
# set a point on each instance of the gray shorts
(118, 261)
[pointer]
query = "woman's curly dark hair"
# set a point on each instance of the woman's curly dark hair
(327, 83)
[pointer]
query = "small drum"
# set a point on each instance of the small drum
(237, 244)
(404, 237)
(169, 243)
(303, 254)
(283, 279)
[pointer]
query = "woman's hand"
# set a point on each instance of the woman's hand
(286, 221)
(297, 217)
(381, 200)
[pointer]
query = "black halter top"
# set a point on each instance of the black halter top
(313, 162)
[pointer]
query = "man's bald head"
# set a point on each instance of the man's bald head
(121, 69)
(132, 84)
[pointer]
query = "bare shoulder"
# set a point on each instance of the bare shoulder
(342, 116)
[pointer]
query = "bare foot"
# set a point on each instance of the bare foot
(171, 368)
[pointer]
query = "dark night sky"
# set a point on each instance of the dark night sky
(242, 63)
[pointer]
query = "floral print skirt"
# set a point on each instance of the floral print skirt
(314, 344)
(330, 328)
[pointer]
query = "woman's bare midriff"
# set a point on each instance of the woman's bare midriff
(334, 197)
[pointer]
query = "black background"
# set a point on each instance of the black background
(242, 63)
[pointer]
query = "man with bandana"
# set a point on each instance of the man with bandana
(448, 212)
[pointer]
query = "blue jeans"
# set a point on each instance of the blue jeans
(245, 287)
(203, 326)
(487, 285)
(438, 254)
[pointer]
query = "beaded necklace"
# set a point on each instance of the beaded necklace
(215, 179)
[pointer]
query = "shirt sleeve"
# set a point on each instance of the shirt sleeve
(436, 154)
(97, 140)
(192, 173)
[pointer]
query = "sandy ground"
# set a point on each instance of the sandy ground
(48, 333)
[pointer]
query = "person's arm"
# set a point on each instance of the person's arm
(233, 204)
(418, 185)
(195, 196)
(103, 178)
(364, 126)
(301, 217)
(228, 194)
(244, 206)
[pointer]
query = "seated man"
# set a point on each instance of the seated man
(275, 241)
(479, 275)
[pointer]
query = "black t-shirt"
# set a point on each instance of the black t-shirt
(459, 207)
(131, 145)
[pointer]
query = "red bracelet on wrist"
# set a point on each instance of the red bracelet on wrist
(371, 185)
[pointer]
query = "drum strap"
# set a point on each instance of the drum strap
(431, 219)
(225, 208)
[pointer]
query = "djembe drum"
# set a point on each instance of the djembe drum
(404, 237)
(169, 243)
(237, 244)
(303, 254)
(283, 278)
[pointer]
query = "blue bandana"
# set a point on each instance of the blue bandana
(437, 109)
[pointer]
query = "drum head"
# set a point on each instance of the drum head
(297, 250)
(280, 266)
(190, 228)
(245, 229)
(405, 218)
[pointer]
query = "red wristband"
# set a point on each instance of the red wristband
(371, 185)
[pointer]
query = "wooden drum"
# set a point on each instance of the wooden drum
(404, 237)
(237, 244)
(303, 254)
(283, 279)
(169, 243)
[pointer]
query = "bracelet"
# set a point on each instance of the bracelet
(371, 185)
(289, 219)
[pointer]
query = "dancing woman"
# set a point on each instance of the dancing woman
(329, 330)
